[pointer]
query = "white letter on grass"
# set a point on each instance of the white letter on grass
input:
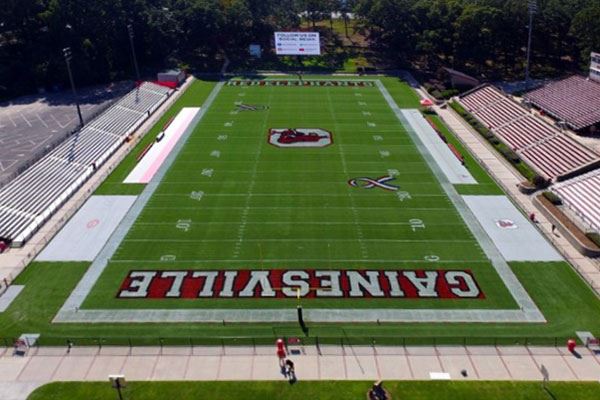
(294, 280)
(425, 286)
(139, 281)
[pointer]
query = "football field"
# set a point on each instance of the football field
(321, 189)
(324, 196)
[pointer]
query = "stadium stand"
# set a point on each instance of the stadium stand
(582, 196)
(28, 201)
(548, 150)
(574, 100)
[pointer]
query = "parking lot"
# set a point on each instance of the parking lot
(30, 125)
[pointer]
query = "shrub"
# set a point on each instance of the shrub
(436, 93)
(552, 198)
(540, 181)
(449, 93)
(510, 155)
(594, 237)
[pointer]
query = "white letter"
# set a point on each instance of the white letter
(140, 281)
(425, 286)
(370, 284)
(227, 290)
(209, 282)
(258, 278)
(395, 290)
(333, 283)
(175, 290)
(454, 277)
(291, 284)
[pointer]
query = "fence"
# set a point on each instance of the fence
(320, 343)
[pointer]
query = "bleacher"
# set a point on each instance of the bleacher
(28, 201)
(548, 150)
(574, 100)
(582, 195)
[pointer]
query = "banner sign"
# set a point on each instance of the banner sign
(305, 283)
(297, 44)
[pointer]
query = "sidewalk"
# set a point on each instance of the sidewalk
(21, 375)
(508, 179)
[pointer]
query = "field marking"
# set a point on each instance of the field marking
(302, 260)
(246, 211)
(359, 233)
(318, 223)
(185, 226)
(400, 194)
(318, 207)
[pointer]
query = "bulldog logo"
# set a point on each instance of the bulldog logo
(300, 137)
(506, 224)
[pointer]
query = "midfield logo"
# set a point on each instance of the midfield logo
(305, 283)
(300, 137)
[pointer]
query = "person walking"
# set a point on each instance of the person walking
(290, 371)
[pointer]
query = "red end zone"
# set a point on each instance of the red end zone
(305, 283)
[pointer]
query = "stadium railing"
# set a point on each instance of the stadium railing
(321, 343)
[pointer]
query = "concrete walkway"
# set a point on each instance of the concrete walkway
(21, 375)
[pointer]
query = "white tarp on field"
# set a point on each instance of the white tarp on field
(512, 233)
(151, 162)
(82, 238)
(439, 150)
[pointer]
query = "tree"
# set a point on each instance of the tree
(585, 28)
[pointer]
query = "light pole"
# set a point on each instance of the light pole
(68, 57)
(532, 7)
(135, 64)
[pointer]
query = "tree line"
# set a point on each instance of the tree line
(480, 36)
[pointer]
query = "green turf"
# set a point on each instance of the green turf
(194, 96)
(320, 390)
(279, 208)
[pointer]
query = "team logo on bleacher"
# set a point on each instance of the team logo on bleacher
(251, 107)
(305, 283)
(300, 137)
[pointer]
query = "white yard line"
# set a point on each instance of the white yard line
(359, 233)
(246, 210)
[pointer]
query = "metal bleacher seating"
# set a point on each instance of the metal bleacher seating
(582, 195)
(552, 153)
(28, 201)
(574, 100)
